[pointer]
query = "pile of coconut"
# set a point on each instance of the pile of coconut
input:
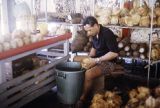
(135, 16)
(18, 38)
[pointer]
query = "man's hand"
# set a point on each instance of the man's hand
(88, 63)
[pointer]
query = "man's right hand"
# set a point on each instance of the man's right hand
(88, 63)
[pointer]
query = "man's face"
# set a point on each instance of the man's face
(91, 30)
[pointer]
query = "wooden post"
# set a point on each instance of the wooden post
(2, 75)
(4, 18)
(66, 48)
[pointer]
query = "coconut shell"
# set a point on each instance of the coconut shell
(125, 41)
(128, 21)
(114, 19)
(143, 10)
(158, 21)
(135, 19)
(134, 46)
(154, 22)
(127, 48)
(124, 12)
(157, 11)
(122, 53)
(154, 54)
(142, 48)
(135, 54)
(142, 56)
(136, 3)
(104, 20)
(116, 11)
(122, 21)
(120, 45)
(128, 54)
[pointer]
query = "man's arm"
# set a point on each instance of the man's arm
(107, 57)
(90, 62)
(92, 53)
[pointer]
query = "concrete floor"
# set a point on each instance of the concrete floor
(48, 100)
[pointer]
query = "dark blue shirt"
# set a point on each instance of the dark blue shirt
(105, 42)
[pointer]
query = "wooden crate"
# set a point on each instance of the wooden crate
(16, 92)
(21, 90)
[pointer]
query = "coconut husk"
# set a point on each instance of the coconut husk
(124, 12)
(145, 21)
(136, 19)
(158, 21)
(128, 21)
(157, 11)
(114, 19)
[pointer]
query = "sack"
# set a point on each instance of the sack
(79, 41)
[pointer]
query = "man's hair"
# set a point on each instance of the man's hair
(90, 20)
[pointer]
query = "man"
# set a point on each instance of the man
(101, 58)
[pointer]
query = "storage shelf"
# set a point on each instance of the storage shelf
(64, 23)
(152, 63)
(131, 27)
(137, 77)
(155, 62)
(33, 47)
(146, 60)
(41, 20)
(35, 82)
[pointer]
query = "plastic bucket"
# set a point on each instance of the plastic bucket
(69, 78)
